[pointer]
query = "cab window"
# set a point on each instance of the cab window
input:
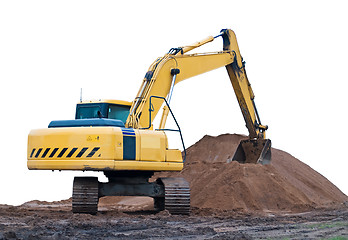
(88, 112)
(118, 112)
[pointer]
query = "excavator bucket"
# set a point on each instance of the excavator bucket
(253, 151)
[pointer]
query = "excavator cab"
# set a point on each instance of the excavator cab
(111, 109)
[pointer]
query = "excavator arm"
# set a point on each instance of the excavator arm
(176, 66)
(242, 88)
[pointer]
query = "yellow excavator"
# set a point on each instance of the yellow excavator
(118, 137)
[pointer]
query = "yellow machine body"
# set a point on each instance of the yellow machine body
(135, 145)
(101, 149)
(118, 137)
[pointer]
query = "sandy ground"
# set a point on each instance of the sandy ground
(131, 220)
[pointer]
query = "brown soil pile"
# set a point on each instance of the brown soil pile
(286, 185)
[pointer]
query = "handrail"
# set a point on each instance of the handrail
(176, 122)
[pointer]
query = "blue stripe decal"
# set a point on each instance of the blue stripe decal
(129, 144)
(128, 131)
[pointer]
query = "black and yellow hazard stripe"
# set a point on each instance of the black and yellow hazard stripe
(59, 152)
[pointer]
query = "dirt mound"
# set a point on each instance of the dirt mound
(286, 185)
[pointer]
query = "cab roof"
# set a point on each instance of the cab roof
(119, 102)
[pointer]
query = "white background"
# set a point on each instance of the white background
(295, 52)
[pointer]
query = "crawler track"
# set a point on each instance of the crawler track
(177, 195)
(85, 195)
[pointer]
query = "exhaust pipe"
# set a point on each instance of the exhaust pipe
(253, 151)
